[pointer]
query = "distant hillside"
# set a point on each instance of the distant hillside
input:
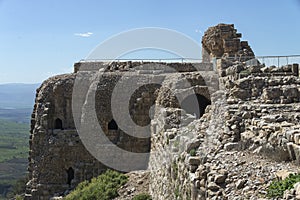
(17, 95)
(16, 104)
(13, 154)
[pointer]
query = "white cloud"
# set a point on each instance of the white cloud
(87, 34)
(198, 31)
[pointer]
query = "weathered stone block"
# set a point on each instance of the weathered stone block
(272, 93)
(297, 138)
(296, 149)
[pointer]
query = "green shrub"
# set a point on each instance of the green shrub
(193, 152)
(18, 197)
(142, 196)
(277, 188)
(104, 187)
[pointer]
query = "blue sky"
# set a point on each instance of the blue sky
(41, 38)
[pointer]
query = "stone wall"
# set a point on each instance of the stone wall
(205, 125)
(224, 41)
(251, 126)
(173, 136)
(151, 66)
(58, 159)
(268, 108)
(257, 112)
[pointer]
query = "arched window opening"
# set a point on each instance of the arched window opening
(112, 125)
(195, 105)
(58, 124)
(70, 173)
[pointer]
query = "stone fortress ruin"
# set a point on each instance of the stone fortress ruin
(241, 104)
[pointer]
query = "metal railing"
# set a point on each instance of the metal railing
(267, 60)
(279, 60)
(164, 60)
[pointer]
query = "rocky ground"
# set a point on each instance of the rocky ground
(239, 175)
(230, 163)
(138, 183)
(232, 175)
(234, 170)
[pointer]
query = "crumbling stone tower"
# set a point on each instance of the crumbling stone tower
(223, 41)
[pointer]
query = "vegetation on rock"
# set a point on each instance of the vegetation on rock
(104, 187)
(193, 152)
(277, 188)
(142, 196)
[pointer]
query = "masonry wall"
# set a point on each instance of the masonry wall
(245, 107)
(58, 160)
(257, 110)
(174, 136)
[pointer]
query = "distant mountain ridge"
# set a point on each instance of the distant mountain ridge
(17, 95)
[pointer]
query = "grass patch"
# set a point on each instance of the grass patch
(177, 193)
(142, 196)
(104, 187)
(245, 72)
(277, 188)
(175, 170)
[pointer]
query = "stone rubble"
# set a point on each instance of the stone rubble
(138, 183)
(237, 154)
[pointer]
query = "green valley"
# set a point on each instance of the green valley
(13, 153)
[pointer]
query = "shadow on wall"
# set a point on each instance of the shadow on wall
(70, 173)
